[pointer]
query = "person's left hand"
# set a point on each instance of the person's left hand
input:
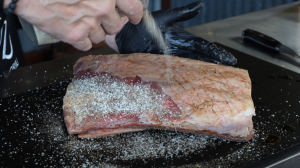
(136, 39)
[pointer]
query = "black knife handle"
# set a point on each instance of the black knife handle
(261, 39)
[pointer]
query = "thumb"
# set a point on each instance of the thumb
(183, 13)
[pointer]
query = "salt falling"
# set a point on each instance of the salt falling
(157, 35)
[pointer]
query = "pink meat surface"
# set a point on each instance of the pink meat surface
(112, 94)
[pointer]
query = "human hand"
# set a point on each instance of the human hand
(136, 39)
(78, 22)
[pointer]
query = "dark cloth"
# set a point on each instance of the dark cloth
(10, 49)
(11, 54)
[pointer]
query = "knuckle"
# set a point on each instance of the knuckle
(135, 7)
(113, 28)
(104, 11)
(74, 37)
(90, 24)
(97, 36)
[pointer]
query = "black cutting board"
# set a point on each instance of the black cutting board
(33, 134)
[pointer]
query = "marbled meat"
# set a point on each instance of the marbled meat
(113, 94)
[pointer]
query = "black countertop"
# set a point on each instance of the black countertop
(33, 132)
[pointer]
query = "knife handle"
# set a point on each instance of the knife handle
(261, 39)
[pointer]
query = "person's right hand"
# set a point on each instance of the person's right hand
(78, 22)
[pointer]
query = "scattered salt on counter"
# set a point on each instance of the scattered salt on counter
(43, 129)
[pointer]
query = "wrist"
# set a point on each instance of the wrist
(10, 6)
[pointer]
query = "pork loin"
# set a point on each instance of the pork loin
(112, 94)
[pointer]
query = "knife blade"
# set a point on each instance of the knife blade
(268, 42)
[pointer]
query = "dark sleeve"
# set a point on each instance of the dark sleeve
(11, 54)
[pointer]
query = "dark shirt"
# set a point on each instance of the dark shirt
(9, 45)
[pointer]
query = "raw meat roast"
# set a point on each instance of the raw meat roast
(113, 94)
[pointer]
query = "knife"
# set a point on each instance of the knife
(268, 42)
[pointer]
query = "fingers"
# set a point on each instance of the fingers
(83, 41)
(111, 39)
(221, 55)
(78, 38)
(111, 42)
(112, 23)
(183, 13)
(83, 45)
(80, 23)
(210, 51)
(97, 34)
(76, 35)
(133, 9)
(107, 16)
(184, 43)
(93, 29)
